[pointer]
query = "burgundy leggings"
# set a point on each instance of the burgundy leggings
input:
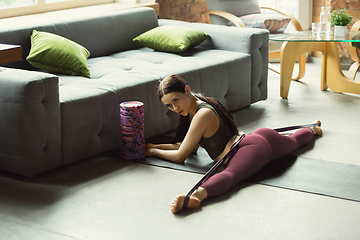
(256, 150)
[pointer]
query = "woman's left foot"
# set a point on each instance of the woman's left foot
(318, 122)
(317, 130)
(178, 202)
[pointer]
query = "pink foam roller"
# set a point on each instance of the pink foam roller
(132, 131)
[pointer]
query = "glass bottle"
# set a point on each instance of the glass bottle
(325, 15)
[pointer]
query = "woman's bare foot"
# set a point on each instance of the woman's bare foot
(317, 129)
(194, 201)
(177, 203)
(318, 122)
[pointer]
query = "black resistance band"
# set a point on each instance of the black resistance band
(235, 147)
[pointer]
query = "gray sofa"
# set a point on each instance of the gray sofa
(52, 120)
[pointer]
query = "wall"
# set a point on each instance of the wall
(184, 10)
(352, 7)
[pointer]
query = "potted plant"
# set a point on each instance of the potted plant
(340, 20)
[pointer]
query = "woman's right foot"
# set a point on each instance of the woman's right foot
(178, 202)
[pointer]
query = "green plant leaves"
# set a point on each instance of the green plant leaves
(340, 18)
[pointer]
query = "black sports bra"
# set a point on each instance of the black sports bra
(215, 144)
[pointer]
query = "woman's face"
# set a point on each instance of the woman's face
(177, 102)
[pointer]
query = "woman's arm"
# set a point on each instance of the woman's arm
(174, 146)
(166, 146)
(199, 124)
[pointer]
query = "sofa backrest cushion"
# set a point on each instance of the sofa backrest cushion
(103, 34)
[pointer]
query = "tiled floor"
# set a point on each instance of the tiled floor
(106, 198)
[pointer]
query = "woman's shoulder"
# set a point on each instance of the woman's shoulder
(203, 104)
(205, 112)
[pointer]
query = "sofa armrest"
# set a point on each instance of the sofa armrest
(254, 42)
(29, 121)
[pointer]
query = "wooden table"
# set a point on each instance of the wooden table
(10, 53)
(297, 43)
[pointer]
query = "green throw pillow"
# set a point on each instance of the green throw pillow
(171, 38)
(57, 54)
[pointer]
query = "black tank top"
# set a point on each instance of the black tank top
(215, 144)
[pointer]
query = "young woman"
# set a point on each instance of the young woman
(213, 128)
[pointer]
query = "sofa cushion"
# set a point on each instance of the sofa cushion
(56, 54)
(171, 38)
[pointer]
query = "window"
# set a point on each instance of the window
(52, 1)
(10, 8)
(16, 3)
(291, 6)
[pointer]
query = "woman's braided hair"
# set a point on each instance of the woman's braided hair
(174, 83)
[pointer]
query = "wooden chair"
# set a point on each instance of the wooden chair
(231, 12)
(354, 54)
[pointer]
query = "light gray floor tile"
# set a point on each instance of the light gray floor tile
(106, 198)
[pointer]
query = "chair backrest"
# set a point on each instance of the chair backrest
(237, 7)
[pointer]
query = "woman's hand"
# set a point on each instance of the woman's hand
(149, 145)
(165, 146)
(149, 152)
(168, 152)
(150, 149)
